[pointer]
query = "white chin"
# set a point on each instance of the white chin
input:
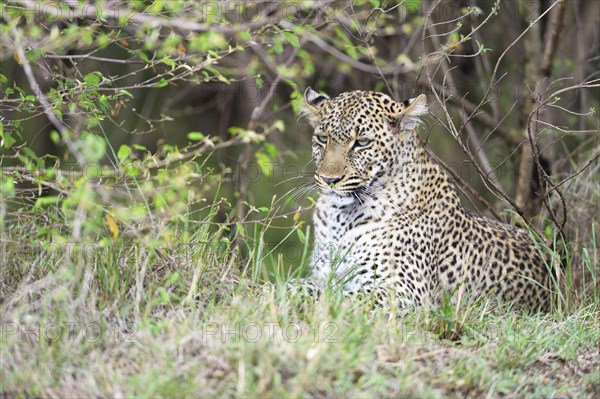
(340, 200)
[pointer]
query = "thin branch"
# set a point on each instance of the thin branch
(63, 130)
(493, 81)
(472, 135)
(181, 23)
(248, 151)
(386, 70)
(590, 161)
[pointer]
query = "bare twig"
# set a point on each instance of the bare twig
(249, 150)
(181, 24)
(63, 130)
(530, 155)
(542, 175)
(472, 135)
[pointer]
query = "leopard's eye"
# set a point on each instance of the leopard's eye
(322, 138)
(362, 143)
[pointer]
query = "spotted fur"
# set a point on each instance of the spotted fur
(389, 220)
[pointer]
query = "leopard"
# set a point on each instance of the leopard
(389, 221)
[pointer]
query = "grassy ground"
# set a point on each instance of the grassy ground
(123, 321)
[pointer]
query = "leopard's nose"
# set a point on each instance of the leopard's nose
(330, 179)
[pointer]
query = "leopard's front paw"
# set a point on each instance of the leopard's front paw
(305, 287)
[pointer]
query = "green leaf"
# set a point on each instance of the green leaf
(270, 147)
(92, 79)
(169, 62)
(277, 48)
(32, 56)
(6, 139)
(126, 93)
(245, 36)
(7, 186)
(292, 39)
(42, 201)
(259, 82)
(412, 5)
(163, 82)
(196, 136)
(104, 103)
(548, 231)
(264, 162)
(143, 57)
(124, 152)
(92, 122)
(55, 137)
(241, 229)
(92, 147)
(30, 153)
(301, 235)
(86, 36)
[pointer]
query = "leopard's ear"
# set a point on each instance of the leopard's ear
(415, 107)
(312, 105)
(408, 112)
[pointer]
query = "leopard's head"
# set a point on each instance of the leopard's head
(358, 136)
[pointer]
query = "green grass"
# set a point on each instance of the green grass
(148, 320)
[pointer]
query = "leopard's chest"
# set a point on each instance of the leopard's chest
(347, 238)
